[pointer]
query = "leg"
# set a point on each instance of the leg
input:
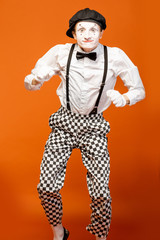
(97, 238)
(96, 159)
(58, 232)
(53, 169)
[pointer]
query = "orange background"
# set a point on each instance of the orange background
(28, 30)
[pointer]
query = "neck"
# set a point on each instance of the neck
(88, 49)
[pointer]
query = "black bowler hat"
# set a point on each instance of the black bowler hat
(86, 15)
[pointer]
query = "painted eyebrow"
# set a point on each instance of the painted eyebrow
(93, 27)
(79, 27)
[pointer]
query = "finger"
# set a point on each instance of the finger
(118, 104)
(51, 73)
(116, 101)
(114, 97)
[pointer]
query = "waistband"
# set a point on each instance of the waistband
(78, 115)
(76, 123)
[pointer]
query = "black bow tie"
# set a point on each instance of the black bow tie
(91, 55)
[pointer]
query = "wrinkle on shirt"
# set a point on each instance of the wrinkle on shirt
(85, 76)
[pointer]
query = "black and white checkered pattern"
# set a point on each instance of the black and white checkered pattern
(88, 133)
(100, 217)
(52, 205)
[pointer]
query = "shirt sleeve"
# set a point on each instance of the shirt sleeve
(129, 73)
(45, 68)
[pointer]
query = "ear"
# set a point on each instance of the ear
(101, 34)
(74, 35)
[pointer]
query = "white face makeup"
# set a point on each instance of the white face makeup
(87, 35)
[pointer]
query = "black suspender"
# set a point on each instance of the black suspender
(67, 76)
(94, 111)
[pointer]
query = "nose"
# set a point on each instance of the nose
(87, 35)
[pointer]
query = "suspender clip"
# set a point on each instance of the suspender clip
(68, 105)
(102, 85)
(94, 111)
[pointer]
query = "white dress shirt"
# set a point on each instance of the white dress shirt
(85, 76)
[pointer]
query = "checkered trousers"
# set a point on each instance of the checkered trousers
(88, 133)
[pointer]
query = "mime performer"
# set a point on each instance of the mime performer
(88, 72)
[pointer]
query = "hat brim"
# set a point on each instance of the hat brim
(70, 30)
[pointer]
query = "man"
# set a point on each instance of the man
(88, 72)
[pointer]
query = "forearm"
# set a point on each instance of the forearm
(41, 72)
(135, 95)
(127, 99)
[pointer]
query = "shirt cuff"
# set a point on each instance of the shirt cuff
(135, 95)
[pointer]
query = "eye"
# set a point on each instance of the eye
(93, 30)
(81, 30)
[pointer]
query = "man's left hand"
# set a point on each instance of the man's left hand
(118, 99)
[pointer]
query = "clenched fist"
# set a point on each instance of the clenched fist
(118, 99)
